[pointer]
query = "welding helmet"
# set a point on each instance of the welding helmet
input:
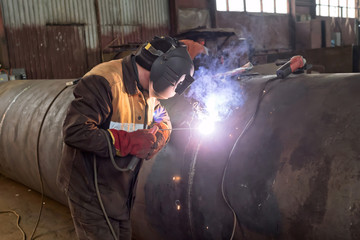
(170, 65)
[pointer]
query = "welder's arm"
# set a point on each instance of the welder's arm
(162, 121)
(90, 108)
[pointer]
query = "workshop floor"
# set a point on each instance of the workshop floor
(55, 222)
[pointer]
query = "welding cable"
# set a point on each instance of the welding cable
(96, 180)
(248, 124)
(111, 153)
(99, 198)
(98, 194)
(38, 159)
(17, 222)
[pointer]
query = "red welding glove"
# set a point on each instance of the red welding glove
(161, 139)
(137, 143)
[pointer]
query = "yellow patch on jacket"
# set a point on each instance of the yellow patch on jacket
(128, 110)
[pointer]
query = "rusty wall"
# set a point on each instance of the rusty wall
(266, 32)
(133, 21)
(4, 55)
(59, 39)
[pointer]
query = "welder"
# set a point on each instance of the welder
(117, 100)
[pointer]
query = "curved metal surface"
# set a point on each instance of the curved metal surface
(293, 175)
(23, 109)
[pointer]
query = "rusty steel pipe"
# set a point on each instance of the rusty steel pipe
(293, 175)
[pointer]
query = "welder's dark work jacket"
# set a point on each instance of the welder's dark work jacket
(106, 97)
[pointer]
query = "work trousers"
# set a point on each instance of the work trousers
(93, 226)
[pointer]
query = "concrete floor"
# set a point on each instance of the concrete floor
(55, 221)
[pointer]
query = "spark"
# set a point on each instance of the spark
(176, 178)
(177, 204)
(206, 127)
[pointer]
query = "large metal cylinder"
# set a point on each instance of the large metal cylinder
(294, 174)
(32, 112)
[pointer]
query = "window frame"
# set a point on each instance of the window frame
(261, 8)
(340, 9)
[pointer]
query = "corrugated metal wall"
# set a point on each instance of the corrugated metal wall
(134, 21)
(31, 25)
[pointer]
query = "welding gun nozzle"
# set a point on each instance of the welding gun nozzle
(174, 129)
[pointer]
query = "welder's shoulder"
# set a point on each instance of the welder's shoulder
(111, 71)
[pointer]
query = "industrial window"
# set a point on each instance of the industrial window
(336, 8)
(268, 6)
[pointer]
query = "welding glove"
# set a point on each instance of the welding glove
(138, 143)
(162, 138)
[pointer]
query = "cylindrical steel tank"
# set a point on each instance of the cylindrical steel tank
(294, 174)
(32, 112)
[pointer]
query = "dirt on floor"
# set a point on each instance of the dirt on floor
(55, 221)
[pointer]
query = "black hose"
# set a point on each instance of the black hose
(100, 201)
(111, 153)
(96, 178)
(248, 124)
(38, 161)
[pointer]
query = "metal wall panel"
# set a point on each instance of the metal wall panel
(121, 21)
(134, 21)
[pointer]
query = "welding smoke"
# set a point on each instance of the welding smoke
(218, 96)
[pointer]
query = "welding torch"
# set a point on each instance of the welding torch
(174, 129)
(294, 64)
(135, 160)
